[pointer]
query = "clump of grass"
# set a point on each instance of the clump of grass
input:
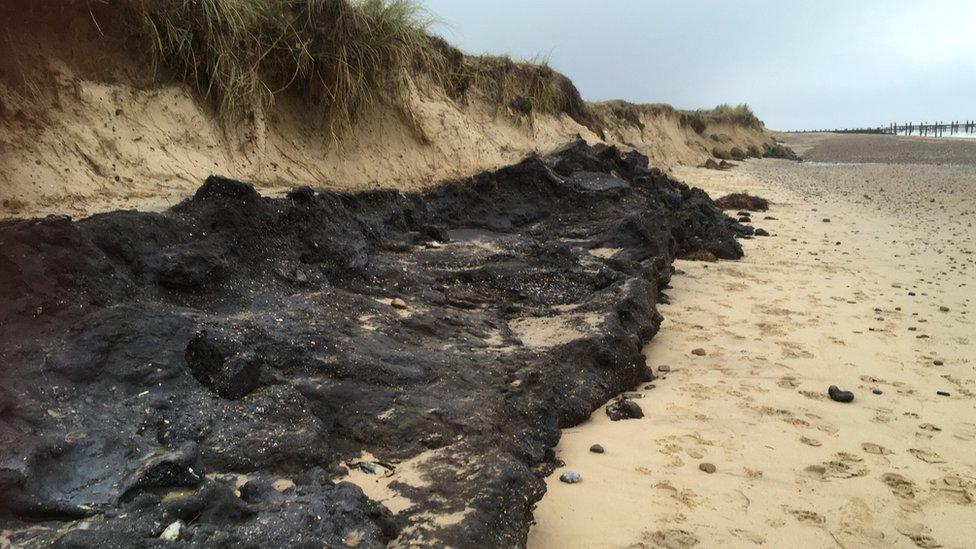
(754, 152)
(341, 55)
(526, 87)
(739, 115)
(737, 154)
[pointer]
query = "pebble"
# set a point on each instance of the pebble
(283, 485)
(172, 532)
(938, 362)
(877, 391)
(664, 368)
(707, 467)
(699, 352)
(762, 232)
(571, 477)
(597, 449)
(839, 396)
(942, 393)
(398, 303)
(944, 309)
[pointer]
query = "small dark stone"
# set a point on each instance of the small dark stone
(839, 396)
(942, 393)
(624, 409)
(707, 467)
(762, 232)
(877, 391)
(699, 352)
(664, 368)
(938, 362)
(597, 449)
(944, 309)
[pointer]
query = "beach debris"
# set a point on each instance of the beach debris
(664, 368)
(699, 352)
(367, 467)
(762, 232)
(571, 477)
(352, 538)
(398, 303)
(877, 391)
(938, 362)
(944, 309)
(172, 532)
(707, 467)
(943, 393)
(838, 395)
(624, 409)
(597, 449)
(826, 220)
(650, 386)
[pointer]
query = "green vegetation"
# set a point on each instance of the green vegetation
(341, 56)
(740, 115)
(737, 154)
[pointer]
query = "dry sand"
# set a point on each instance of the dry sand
(853, 301)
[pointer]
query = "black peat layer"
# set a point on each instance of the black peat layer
(149, 360)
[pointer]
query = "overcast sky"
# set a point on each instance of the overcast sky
(801, 64)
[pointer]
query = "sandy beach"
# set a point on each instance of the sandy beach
(867, 282)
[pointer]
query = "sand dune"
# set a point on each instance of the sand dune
(868, 283)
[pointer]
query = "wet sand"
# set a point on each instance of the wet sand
(880, 297)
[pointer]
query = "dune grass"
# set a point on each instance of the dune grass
(341, 56)
(739, 115)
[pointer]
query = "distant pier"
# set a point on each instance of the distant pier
(932, 129)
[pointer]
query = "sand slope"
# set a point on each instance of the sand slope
(854, 302)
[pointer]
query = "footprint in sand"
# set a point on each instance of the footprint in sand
(668, 539)
(686, 497)
(806, 517)
(810, 441)
(843, 466)
(788, 382)
(752, 537)
(919, 535)
(814, 395)
(900, 486)
(955, 490)
(875, 449)
(965, 431)
(926, 456)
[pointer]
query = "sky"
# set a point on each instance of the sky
(800, 64)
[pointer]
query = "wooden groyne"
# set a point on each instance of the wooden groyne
(933, 129)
